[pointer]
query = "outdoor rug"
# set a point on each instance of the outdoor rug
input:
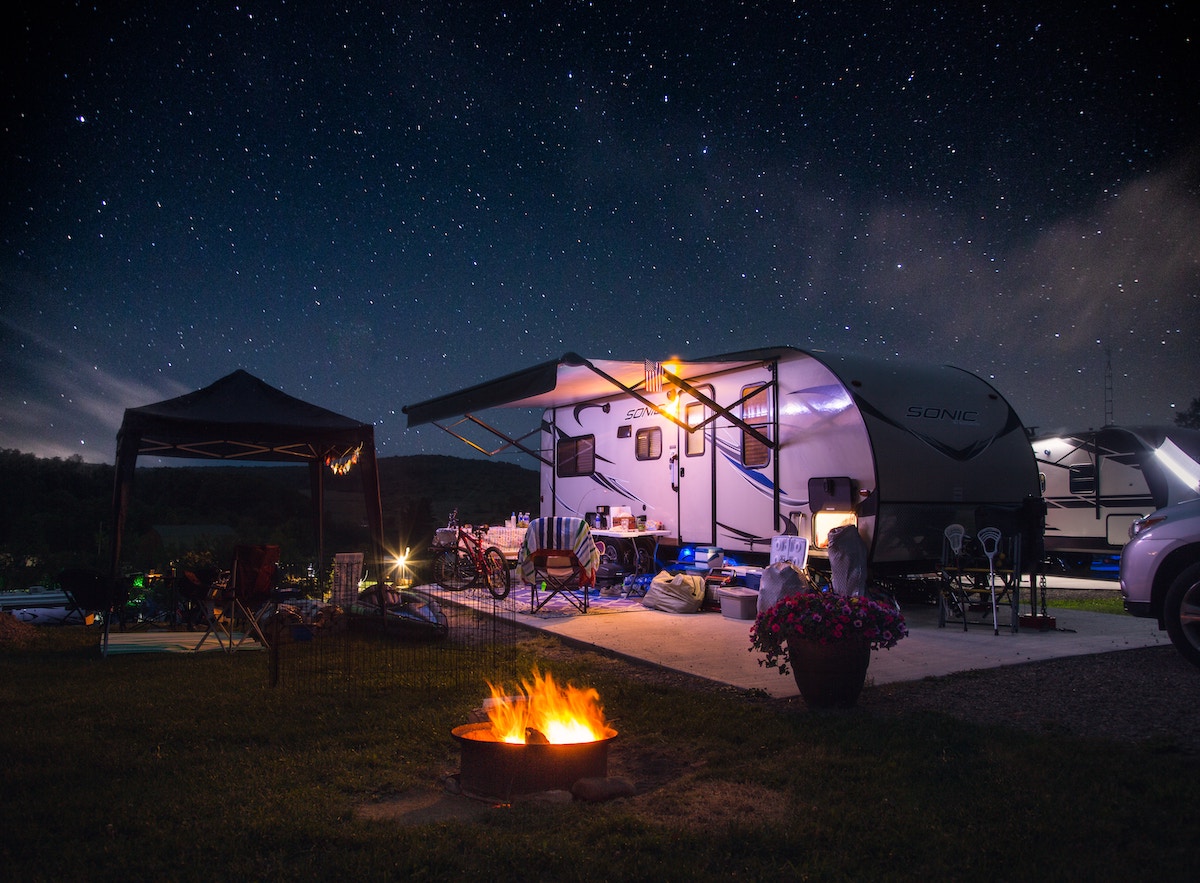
(165, 641)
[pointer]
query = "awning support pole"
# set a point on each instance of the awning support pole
(719, 410)
(509, 441)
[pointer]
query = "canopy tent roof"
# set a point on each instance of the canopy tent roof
(241, 418)
(571, 379)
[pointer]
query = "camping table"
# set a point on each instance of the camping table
(632, 556)
(507, 539)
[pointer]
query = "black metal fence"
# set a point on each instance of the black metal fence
(419, 637)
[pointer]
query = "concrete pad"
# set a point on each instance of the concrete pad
(716, 647)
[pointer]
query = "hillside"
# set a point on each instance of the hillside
(418, 493)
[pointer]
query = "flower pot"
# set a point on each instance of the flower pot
(829, 675)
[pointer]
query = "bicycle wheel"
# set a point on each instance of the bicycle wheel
(499, 579)
(453, 570)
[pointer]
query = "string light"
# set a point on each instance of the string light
(343, 464)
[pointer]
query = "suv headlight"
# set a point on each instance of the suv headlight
(1144, 524)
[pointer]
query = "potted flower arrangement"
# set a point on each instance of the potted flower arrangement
(825, 639)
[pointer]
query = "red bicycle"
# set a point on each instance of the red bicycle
(468, 564)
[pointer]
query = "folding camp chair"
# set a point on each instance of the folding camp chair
(89, 592)
(242, 599)
(558, 557)
(347, 574)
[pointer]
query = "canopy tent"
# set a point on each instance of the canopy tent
(241, 418)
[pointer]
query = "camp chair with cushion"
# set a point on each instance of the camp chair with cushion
(558, 557)
(243, 598)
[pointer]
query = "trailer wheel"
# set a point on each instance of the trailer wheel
(618, 557)
(1181, 612)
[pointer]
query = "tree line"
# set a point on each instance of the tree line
(57, 512)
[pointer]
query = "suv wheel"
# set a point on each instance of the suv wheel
(1181, 611)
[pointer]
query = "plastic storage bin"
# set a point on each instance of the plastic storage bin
(739, 603)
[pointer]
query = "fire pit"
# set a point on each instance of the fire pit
(547, 738)
(491, 768)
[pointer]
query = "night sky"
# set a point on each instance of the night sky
(370, 206)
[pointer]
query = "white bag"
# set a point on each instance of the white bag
(778, 581)
(681, 593)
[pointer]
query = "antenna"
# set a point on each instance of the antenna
(1108, 387)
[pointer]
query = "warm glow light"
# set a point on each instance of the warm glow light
(342, 465)
(671, 405)
(824, 522)
(559, 715)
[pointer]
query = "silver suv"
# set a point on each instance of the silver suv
(1160, 573)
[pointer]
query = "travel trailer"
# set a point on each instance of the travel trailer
(1098, 482)
(730, 450)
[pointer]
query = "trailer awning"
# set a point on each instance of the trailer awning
(572, 379)
(568, 380)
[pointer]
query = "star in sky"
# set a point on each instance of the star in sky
(373, 205)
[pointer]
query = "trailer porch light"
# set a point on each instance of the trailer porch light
(825, 521)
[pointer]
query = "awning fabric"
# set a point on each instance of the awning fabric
(567, 380)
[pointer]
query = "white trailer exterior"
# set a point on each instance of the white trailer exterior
(734, 449)
(1098, 482)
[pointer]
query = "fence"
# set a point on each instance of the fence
(418, 637)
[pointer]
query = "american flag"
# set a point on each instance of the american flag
(653, 376)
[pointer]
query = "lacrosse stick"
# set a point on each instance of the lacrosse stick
(989, 538)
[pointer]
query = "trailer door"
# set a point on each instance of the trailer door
(693, 465)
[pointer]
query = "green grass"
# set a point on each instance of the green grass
(188, 767)
(1109, 603)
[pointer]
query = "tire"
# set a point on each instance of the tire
(499, 579)
(453, 570)
(618, 556)
(1181, 613)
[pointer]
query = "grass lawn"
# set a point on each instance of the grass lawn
(189, 767)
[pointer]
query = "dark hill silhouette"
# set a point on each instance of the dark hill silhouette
(56, 512)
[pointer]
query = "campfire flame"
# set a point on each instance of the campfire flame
(544, 711)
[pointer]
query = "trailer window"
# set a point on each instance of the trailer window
(576, 456)
(1083, 478)
(756, 411)
(648, 444)
(693, 443)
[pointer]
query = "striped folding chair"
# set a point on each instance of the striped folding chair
(558, 558)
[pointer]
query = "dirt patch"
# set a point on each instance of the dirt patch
(424, 807)
(15, 633)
